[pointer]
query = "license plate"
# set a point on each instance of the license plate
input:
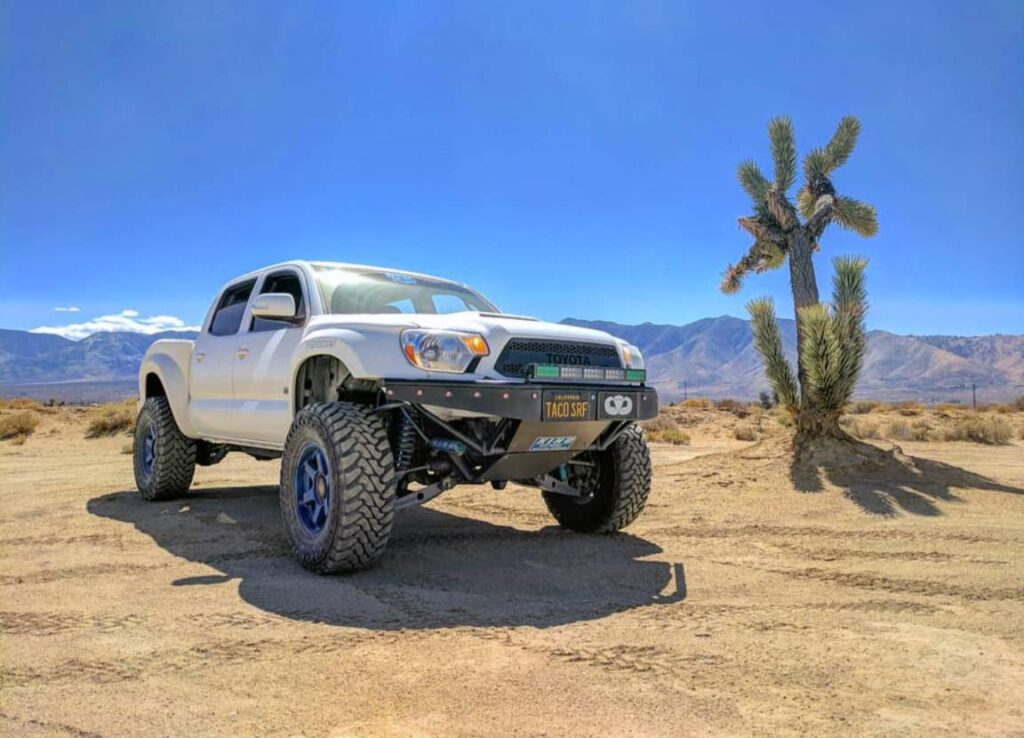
(560, 405)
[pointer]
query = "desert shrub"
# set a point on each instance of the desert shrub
(112, 419)
(864, 429)
(729, 404)
(910, 408)
(1003, 408)
(901, 430)
(745, 433)
(696, 403)
(18, 425)
(978, 429)
(1019, 404)
(785, 419)
(664, 429)
(22, 403)
(945, 408)
(862, 407)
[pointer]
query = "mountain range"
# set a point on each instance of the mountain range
(713, 357)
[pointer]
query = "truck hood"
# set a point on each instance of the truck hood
(490, 325)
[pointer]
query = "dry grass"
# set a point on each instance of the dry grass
(977, 429)
(18, 426)
(745, 433)
(697, 403)
(109, 420)
(863, 407)
(19, 403)
(737, 408)
(864, 429)
(664, 429)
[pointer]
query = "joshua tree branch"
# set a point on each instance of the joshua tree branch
(823, 211)
(781, 210)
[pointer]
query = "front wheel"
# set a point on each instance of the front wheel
(165, 459)
(337, 487)
(616, 482)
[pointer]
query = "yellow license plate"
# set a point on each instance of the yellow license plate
(559, 405)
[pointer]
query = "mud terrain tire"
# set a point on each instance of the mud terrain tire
(164, 458)
(619, 492)
(337, 487)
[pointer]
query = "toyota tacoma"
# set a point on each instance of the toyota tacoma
(379, 389)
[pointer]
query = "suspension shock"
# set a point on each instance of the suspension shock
(404, 440)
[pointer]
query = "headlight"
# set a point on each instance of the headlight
(442, 351)
(634, 359)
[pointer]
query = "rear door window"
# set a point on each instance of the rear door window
(227, 319)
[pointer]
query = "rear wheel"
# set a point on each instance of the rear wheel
(616, 481)
(165, 459)
(337, 487)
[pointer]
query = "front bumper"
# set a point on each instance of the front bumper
(520, 401)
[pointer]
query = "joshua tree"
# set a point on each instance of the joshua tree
(830, 339)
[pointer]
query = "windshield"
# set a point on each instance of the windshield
(350, 290)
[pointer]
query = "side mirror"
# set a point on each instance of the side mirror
(279, 305)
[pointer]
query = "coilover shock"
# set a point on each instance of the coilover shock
(404, 439)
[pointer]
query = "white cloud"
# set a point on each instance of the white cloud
(68, 309)
(127, 321)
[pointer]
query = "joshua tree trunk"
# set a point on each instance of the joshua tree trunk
(804, 286)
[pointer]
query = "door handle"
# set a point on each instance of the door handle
(199, 357)
(242, 352)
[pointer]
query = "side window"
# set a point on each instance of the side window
(289, 284)
(228, 317)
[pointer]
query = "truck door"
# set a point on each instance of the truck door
(264, 350)
(211, 401)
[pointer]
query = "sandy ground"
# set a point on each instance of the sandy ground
(743, 602)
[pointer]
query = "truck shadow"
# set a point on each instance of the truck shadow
(440, 570)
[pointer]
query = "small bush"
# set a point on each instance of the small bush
(663, 429)
(910, 408)
(675, 436)
(1019, 404)
(730, 405)
(862, 407)
(18, 425)
(990, 431)
(112, 419)
(697, 403)
(745, 433)
(901, 430)
(22, 403)
(864, 429)
(785, 420)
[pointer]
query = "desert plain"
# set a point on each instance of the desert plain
(749, 599)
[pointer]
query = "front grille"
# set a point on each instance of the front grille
(519, 353)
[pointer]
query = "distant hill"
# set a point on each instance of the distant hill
(715, 357)
(37, 358)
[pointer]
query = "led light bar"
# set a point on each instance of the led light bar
(586, 373)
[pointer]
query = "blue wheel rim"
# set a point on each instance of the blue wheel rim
(149, 451)
(313, 488)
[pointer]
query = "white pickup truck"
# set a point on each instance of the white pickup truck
(380, 389)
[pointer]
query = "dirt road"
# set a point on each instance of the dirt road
(737, 605)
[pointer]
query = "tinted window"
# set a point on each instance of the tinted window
(228, 317)
(289, 284)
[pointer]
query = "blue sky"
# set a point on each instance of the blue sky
(565, 159)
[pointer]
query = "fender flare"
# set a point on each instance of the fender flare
(339, 343)
(175, 383)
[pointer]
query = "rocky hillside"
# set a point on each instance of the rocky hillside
(715, 357)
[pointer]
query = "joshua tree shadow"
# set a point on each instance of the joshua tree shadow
(440, 570)
(885, 482)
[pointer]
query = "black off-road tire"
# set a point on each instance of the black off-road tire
(620, 492)
(361, 477)
(164, 458)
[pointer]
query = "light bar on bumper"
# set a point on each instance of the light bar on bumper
(555, 372)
